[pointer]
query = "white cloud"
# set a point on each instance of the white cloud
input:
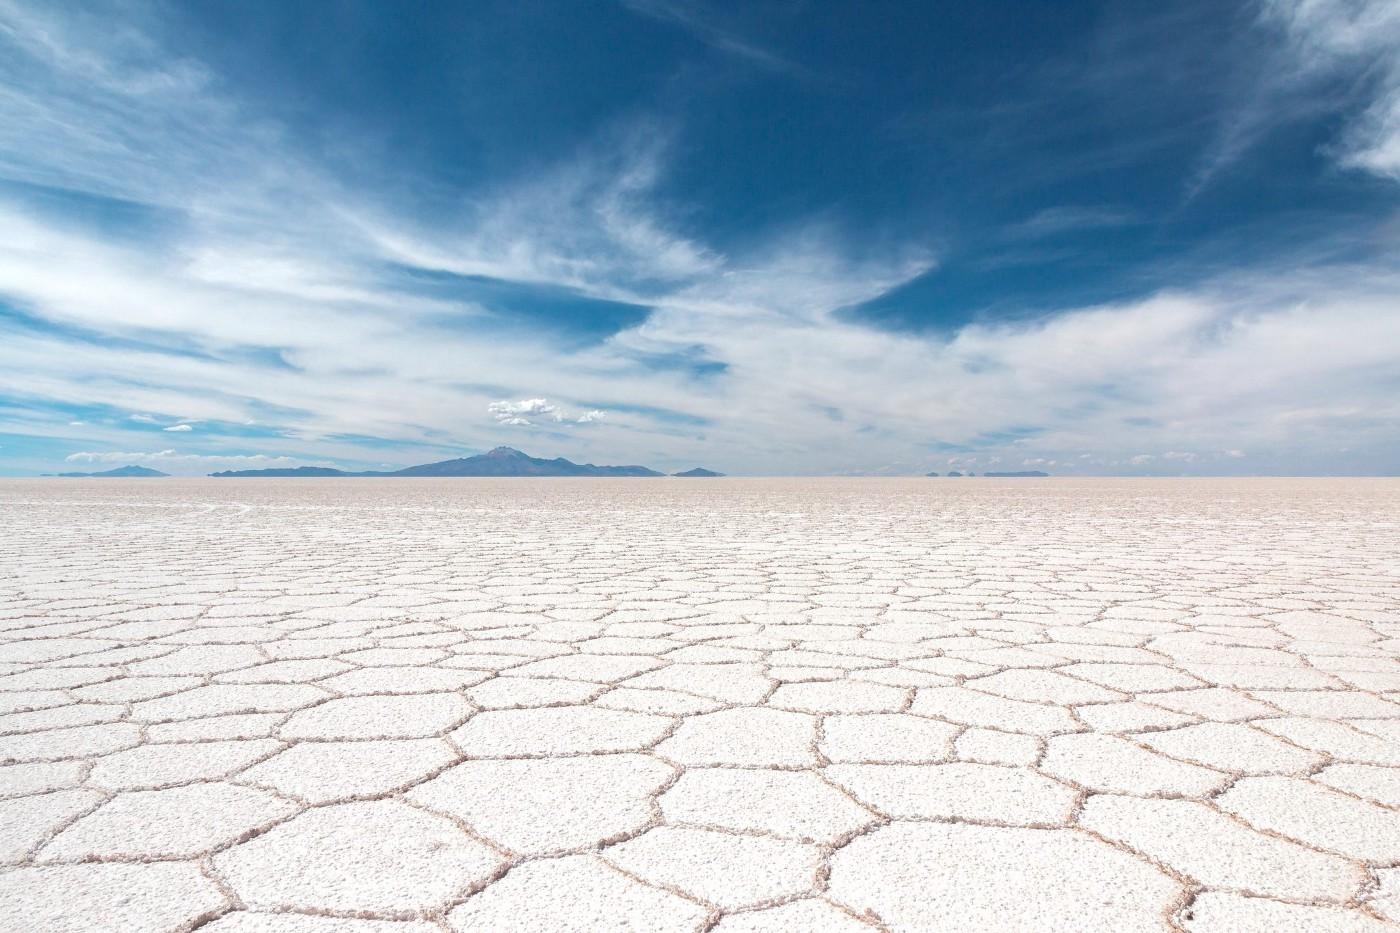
(526, 406)
(1337, 57)
(178, 427)
(521, 412)
(507, 412)
(588, 223)
(1360, 38)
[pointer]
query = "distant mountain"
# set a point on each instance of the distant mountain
(1021, 473)
(955, 473)
(698, 472)
(503, 461)
(293, 471)
(933, 474)
(118, 472)
(507, 461)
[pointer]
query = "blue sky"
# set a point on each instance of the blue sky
(782, 238)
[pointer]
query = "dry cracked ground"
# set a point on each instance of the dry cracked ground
(407, 706)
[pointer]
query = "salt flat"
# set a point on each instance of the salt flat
(396, 706)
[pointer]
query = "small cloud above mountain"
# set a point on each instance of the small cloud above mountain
(507, 412)
(528, 411)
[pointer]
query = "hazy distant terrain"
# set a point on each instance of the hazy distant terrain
(125, 472)
(502, 461)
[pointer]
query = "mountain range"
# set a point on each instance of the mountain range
(128, 470)
(503, 461)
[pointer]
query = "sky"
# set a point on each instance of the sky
(765, 238)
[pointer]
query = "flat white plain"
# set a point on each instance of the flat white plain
(399, 706)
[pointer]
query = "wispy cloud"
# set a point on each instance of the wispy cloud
(1360, 37)
(704, 25)
(1070, 218)
(1339, 57)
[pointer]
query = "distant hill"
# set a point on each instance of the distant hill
(507, 461)
(128, 470)
(293, 471)
(1021, 473)
(503, 461)
(933, 474)
(698, 472)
